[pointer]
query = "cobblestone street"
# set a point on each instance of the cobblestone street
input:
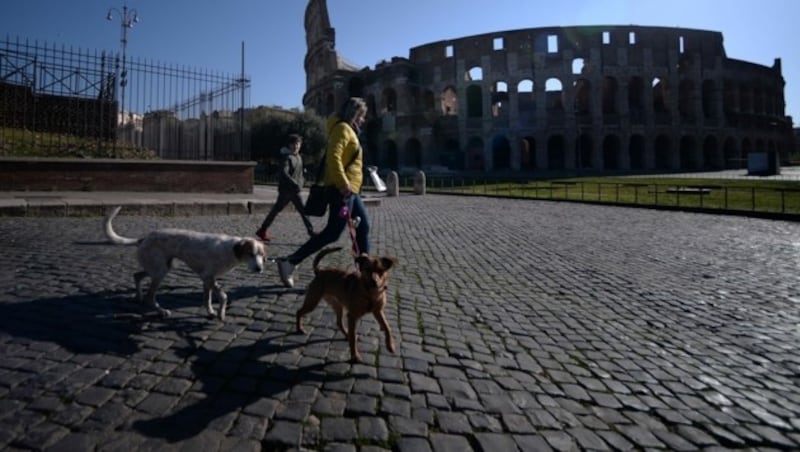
(521, 325)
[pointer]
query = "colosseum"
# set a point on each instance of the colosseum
(606, 98)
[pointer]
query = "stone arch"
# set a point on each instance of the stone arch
(355, 87)
(526, 102)
(663, 153)
(475, 154)
(474, 101)
(371, 108)
(452, 157)
(554, 93)
(609, 95)
(389, 100)
(578, 66)
(556, 152)
(448, 101)
(745, 98)
(636, 150)
(730, 154)
(660, 97)
(583, 97)
(585, 153)
(390, 154)
(527, 155)
(758, 100)
(611, 152)
(413, 153)
(688, 153)
(747, 148)
(499, 98)
(501, 152)
(636, 100)
(685, 95)
(329, 105)
(712, 157)
(474, 74)
(709, 98)
(729, 104)
(428, 101)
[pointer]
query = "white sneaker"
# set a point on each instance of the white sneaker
(285, 270)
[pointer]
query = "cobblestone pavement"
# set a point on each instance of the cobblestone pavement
(521, 325)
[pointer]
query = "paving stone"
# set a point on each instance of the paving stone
(441, 442)
(449, 422)
(559, 440)
(407, 426)
(283, 434)
(640, 436)
(496, 441)
(673, 441)
(588, 351)
(372, 429)
(422, 383)
(393, 406)
(338, 429)
(406, 444)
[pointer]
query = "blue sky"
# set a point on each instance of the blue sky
(208, 34)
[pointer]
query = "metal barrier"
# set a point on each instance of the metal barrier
(72, 102)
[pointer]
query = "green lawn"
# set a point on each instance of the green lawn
(26, 143)
(768, 196)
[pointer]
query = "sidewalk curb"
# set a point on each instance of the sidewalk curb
(57, 206)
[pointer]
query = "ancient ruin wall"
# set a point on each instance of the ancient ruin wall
(563, 98)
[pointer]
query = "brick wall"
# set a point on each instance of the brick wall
(18, 174)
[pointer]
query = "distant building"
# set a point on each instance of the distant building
(595, 98)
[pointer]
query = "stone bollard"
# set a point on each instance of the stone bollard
(392, 184)
(419, 183)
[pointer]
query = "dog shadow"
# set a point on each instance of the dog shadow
(92, 323)
(100, 322)
(229, 393)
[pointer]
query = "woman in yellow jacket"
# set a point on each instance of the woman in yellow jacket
(342, 179)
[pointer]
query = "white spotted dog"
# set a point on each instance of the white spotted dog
(209, 255)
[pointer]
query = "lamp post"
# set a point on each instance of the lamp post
(128, 17)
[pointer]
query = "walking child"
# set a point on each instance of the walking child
(290, 183)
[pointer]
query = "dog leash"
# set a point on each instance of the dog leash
(344, 212)
(351, 226)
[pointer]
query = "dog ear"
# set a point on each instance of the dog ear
(240, 248)
(388, 262)
(362, 261)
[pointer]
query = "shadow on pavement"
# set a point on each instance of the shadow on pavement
(101, 322)
(222, 399)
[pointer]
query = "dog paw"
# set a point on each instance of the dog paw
(222, 314)
(390, 346)
(300, 330)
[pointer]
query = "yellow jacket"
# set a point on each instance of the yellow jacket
(343, 145)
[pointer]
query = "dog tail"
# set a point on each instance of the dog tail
(322, 254)
(109, 230)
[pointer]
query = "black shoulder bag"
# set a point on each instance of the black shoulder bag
(317, 201)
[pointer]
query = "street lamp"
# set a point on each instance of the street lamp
(128, 17)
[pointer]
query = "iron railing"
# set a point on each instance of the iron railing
(702, 196)
(66, 101)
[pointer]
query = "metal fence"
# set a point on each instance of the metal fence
(781, 200)
(63, 101)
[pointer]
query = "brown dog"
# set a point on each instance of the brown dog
(359, 292)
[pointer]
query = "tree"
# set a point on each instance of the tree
(269, 128)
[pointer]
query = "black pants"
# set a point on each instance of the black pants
(284, 198)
